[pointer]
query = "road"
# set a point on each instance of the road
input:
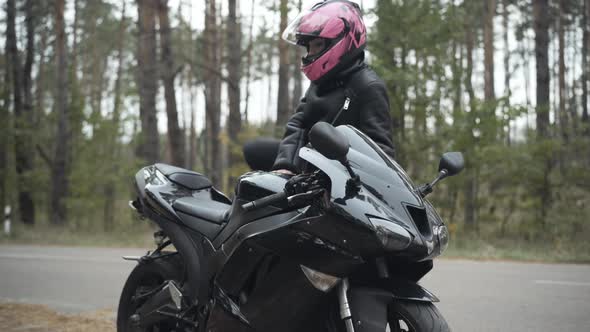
(475, 296)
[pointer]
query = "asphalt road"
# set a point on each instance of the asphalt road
(475, 296)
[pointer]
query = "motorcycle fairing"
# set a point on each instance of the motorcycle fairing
(275, 299)
(386, 192)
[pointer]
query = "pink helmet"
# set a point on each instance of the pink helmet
(340, 23)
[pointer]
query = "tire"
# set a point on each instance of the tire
(143, 277)
(414, 316)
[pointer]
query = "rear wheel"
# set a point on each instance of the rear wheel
(414, 316)
(143, 280)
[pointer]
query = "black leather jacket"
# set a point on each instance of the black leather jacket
(368, 111)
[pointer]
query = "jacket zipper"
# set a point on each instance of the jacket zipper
(344, 108)
(346, 103)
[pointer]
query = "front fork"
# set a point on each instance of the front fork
(345, 313)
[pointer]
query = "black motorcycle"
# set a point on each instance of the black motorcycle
(338, 248)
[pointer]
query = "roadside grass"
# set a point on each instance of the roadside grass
(466, 246)
(20, 317)
(137, 236)
(471, 247)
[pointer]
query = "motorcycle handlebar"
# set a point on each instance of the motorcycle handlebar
(265, 201)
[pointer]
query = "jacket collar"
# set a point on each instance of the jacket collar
(340, 79)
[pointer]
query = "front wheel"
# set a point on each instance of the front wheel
(414, 316)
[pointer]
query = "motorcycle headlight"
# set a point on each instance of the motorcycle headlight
(442, 234)
(391, 235)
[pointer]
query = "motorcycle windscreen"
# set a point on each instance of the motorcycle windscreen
(379, 173)
(381, 177)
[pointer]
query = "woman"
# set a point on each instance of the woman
(343, 89)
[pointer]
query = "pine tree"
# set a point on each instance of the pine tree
(147, 79)
(168, 74)
(61, 156)
(283, 105)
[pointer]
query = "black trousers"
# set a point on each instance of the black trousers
(260, 153)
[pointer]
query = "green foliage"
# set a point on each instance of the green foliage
(138, 235)
(526, 190)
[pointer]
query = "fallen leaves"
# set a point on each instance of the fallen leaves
(20, 317)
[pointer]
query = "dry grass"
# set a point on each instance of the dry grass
(19, 317)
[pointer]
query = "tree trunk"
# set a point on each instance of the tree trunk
(4, 131)
(74, 52)
(249, 60)
(283, 105)
(420, 99)
(59, 174)
(523, 52)
(234, 125)
(26, 204)
(213, 94)
(29, 59)
(40, 80)
(175, 134)
(507, 73)
(23, 109)
(147, 78)
(507, 91)
(563, 118)
(297, 86)
(77, 98)
(457, 71)
(470, 213)
(402, 110)
(585, 66)
(572, 107)
(469, 45)
(192, 133)
(109, 189)
(488, 31)
(541, 27)
(554, 84)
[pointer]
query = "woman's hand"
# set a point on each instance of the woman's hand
(284, 171)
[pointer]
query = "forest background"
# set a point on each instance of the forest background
(93, 90)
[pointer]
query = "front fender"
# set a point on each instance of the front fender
(368, 306)
(403, 289)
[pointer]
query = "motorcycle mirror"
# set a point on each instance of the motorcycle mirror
(453, 162)
(329, 142)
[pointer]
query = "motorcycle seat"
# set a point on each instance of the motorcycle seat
(209, 210)
(184, 177)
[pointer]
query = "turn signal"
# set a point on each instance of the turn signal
(321, 281)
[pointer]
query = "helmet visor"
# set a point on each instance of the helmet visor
(309, 23)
